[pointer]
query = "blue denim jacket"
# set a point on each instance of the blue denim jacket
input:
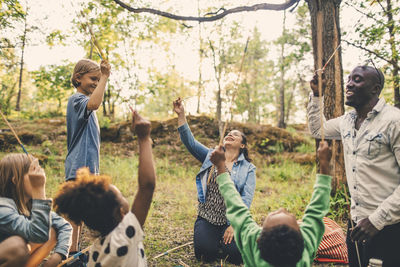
(36, 228)
(243, 172)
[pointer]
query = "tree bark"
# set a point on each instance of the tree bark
(213, 16)
(325, 14)
(200, 85)
(281, 119)
(21, 71)
(217, 72)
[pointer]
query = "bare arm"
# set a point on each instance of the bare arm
(97, 96)
(147, 173)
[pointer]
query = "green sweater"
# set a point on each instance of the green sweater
(247, 231)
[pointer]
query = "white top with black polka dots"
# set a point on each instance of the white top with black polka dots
(122, 247)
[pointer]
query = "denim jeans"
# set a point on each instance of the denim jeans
(209, 245)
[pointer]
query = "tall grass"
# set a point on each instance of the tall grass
(174, 208)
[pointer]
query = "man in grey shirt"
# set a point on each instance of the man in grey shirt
(371, 142)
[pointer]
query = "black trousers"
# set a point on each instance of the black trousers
(385, 246)
(209, 245)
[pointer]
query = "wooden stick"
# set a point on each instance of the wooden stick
(93, 38)
(221, 138)
(76, 255)
(183, 264)
(172, 249)
(15, 134)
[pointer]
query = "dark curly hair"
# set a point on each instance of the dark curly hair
(89, 199)
(281, 245)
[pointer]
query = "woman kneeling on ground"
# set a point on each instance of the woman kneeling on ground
(212, 232)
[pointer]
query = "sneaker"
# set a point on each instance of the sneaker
(80, 261)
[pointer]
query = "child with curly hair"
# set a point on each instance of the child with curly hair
(94, 201)
(28, 229)
(280, 241)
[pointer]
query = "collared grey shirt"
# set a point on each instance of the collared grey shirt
(371, 155)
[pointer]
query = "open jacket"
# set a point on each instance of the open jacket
(243, 172)
(35, 228)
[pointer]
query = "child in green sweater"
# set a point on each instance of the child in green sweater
(280, 242)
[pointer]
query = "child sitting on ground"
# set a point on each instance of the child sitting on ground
(25, 217)
(280, 242)
(94, 201)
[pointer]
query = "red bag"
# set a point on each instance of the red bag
(333, 246)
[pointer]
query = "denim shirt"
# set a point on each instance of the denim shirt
(243, 173)
(372, 159)
(36, 228)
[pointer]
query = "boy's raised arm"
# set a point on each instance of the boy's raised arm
(147, 173)
(96, 98)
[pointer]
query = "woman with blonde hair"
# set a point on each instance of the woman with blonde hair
(28, 228)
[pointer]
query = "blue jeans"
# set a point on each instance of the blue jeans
(209, 245)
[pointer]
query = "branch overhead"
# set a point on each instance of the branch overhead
(216, 15)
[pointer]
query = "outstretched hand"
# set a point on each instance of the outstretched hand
(105, 68)
(324, 154)
(363, 231)
(314, 84)
(218, 158)
(140, 126)
(178, 106)
(36, 175)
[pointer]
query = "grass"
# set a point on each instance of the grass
(173, 211)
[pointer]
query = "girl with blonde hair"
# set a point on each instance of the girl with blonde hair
(28, 228)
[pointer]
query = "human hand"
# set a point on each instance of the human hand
(324, 154)
(363, 231)
(141, 126)
(228, 235)
(314, 83)
(218, 158)
(53, 261)
(105, 68)
(178, 106)
(36, 175)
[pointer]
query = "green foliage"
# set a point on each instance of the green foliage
(305, 148)
(104, 122)
(9, 78)
(377, 36)
(339, 207)
(10, 12)
(53, 83)
(164, 88)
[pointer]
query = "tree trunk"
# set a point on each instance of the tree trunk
(281, 120)
(200, 62)
(394, 56)
(21, 71)
(325, 23)
(217, 72)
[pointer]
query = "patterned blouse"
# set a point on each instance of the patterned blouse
(213, 209)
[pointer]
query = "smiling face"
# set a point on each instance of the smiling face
(234, 139)
(362, 86)
(88, 82)
(280, 217)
